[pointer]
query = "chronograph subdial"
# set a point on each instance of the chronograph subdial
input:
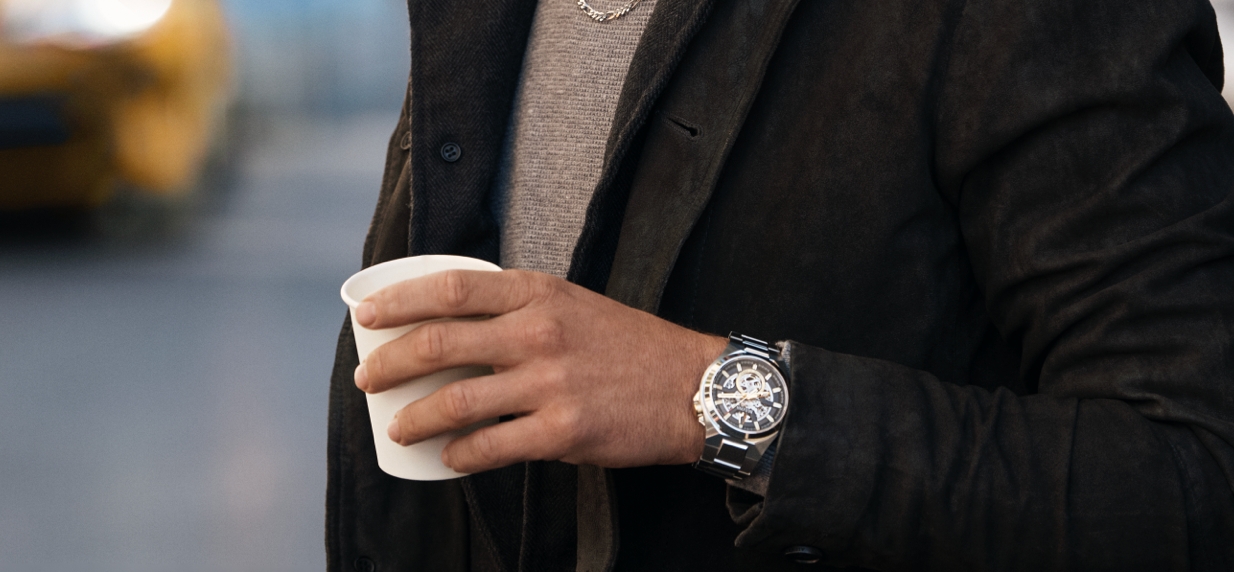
(748, 395)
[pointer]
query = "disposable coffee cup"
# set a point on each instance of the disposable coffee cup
(422, 461)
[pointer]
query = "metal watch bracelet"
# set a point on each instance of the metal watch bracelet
(731, 457)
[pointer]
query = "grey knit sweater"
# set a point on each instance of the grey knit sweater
(554, 149)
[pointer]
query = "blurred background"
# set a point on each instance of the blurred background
(169, 297)
(184, 184)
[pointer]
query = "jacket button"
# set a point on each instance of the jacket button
(363, 564)
(451, 152)
(803, 554)
(405, 142)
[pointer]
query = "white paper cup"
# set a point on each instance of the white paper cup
(422, 461)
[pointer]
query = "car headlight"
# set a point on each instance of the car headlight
(78, 22)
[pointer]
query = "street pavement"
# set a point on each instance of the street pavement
(164, 373)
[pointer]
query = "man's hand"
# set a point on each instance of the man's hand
(588, 379)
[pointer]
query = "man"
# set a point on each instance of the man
(994, 239)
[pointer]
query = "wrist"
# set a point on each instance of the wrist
(702, 352)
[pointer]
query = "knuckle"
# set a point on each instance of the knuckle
(429, 343)
(407, 425)
(544, 335)
(485, 448)
(394, 300)
(543, 286)
(569, 426)
(555, 377)
(534, 287)
(458, 402)
(454, 289)
(550, 378)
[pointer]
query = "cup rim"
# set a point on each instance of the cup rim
(352, 303)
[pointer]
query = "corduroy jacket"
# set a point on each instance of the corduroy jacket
(997, 238)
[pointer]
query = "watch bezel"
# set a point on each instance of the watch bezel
(711, 413)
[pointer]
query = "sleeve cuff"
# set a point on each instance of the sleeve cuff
(825, 466)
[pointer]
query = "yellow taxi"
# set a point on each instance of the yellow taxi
(100, 94)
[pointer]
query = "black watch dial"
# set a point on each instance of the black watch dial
(749, 395)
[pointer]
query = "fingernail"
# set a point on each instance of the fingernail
(445, 458)
(393, 431)
(362, 377)
(366, 313)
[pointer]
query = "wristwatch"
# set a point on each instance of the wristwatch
(741, 402)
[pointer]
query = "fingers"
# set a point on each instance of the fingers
(453, 293)
(536, 437)
(460, 404)
(501, 342)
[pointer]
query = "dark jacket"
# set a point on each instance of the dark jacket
(999, 234)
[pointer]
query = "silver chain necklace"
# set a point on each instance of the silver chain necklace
(599, 16)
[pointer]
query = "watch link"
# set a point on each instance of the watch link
(741, 402)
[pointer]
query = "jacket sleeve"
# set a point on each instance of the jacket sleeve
(1091, 161)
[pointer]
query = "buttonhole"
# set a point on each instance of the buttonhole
(690, 129)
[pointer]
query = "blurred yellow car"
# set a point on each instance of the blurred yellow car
(99, 94)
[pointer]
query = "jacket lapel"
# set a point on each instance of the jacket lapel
(696, 123)
(702, 79)
(669, 31)
(668, 34)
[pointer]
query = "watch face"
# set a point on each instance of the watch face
(748, 394)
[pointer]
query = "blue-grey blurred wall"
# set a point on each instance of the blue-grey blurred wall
(320, 56)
